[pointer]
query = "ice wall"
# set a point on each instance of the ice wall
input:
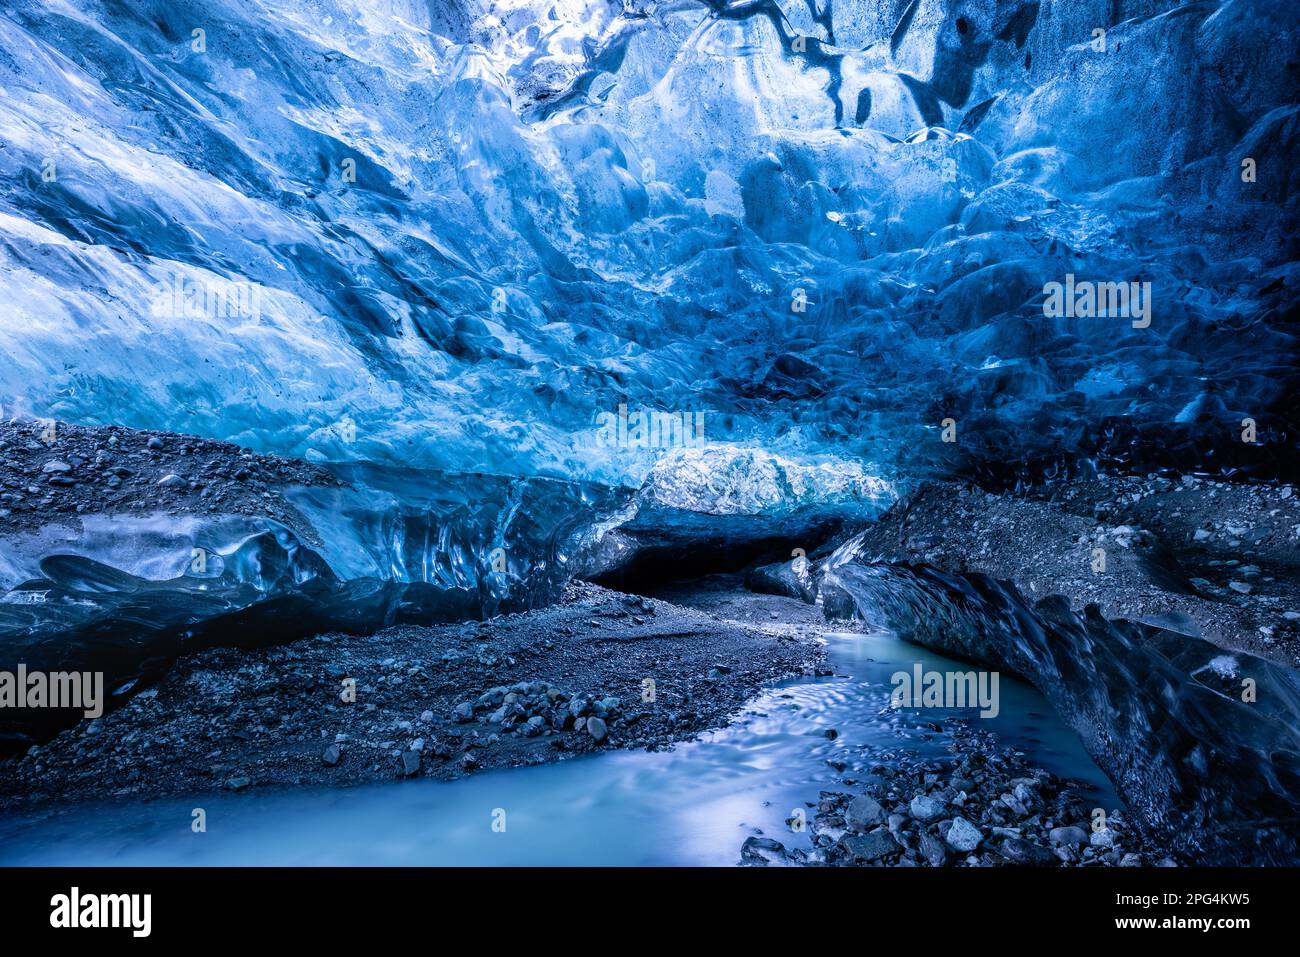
(456, 234)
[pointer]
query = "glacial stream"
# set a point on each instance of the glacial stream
(693, 805)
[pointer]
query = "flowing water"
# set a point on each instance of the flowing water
(693, 805)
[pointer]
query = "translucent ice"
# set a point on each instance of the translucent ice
(471, 228)
(458, 239)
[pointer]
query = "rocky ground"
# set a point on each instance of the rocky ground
(56, 471)
(724, 598)
(1209, 558)
(984, 807)
(1197, 556)
(426, 701)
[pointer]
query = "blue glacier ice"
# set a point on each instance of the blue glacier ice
(452, 248)
(471, 228)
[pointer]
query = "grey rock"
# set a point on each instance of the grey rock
(533, 726)
(762, 850)
(864, 812)
(1009, 801)
(934, 851)
(925, 808)
(491, 698)
(54, 466)
(1103, 838)
(1068, 835)
(463, 712)
(597, 729)
(410, 763)
(331, 756)
(1020, 851)
(963, 835)
(870, 847)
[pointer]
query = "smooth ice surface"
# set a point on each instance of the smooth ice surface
(122, 595)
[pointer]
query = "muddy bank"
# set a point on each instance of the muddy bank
(437, 701)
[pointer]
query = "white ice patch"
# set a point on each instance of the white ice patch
(728, 480)
(1225, 666)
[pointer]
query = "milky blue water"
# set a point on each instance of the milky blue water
(694, 805)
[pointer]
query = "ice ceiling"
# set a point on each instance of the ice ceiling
(454, 234)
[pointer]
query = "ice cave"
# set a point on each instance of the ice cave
(510, 402)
